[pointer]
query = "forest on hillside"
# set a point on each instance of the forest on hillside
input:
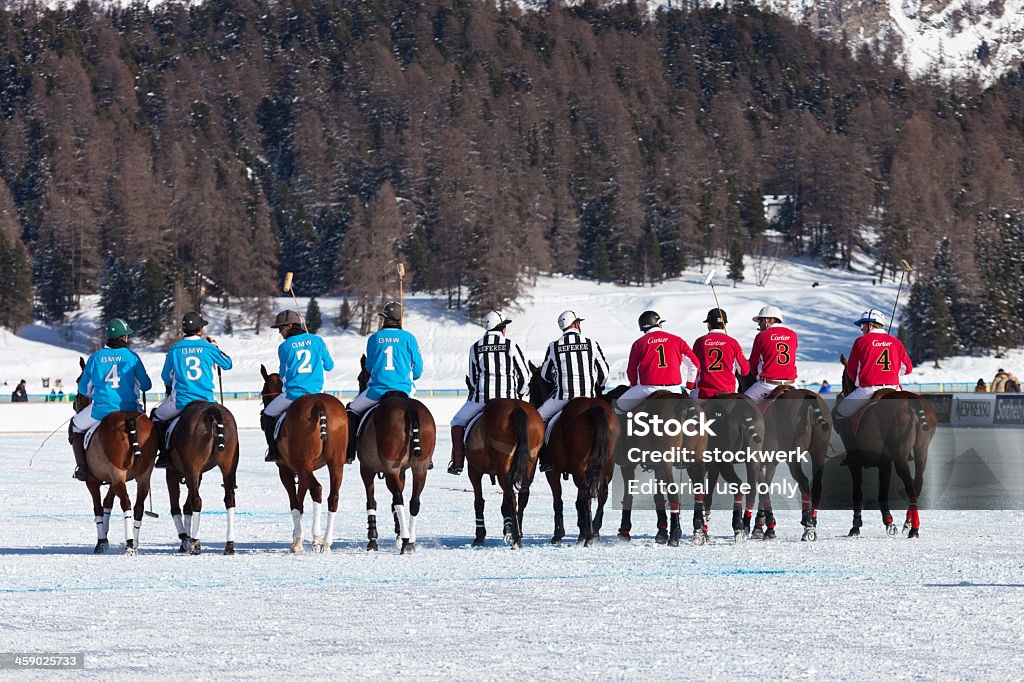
(151, 154)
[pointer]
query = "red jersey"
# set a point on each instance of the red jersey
(773, 355)
(720, 357)
(878, 359)
(657, 359)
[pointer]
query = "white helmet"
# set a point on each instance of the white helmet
(494, 321)
(872, 315)
(768, 311)
(568, 319)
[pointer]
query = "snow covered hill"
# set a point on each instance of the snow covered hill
(821, 314)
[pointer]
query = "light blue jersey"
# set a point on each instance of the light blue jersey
(188, 370)
(394, 362)
(304, 358)
(113, 378)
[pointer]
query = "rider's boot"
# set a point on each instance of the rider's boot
(458, 450)
(842, 426)
(163, 457)
(267, 424)
(78, 447)
(544, 459)
(353, 427)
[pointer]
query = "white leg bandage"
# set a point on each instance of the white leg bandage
(178, 525)
(106, 521)
(403, 523)
(231, 524)
(296, 524)
(128, 525)
(412, 529)
(329, 533)
(137, 526)
(188, 522)
(101, 532)
(316, 519)
(194, 526)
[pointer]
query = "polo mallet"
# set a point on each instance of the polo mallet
(289, 289)
(30, 459)
(220, 384)
(905, 266)
(401, 289)
(708, 281)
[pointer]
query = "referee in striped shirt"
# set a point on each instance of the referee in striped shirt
(497, 369)
(576, 366)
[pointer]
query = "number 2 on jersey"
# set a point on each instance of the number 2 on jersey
(305, 361)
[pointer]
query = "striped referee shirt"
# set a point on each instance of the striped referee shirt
(575, 365)
(497, 368)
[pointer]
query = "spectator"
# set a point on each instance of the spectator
(60, 395)
(980, 387)
(52, 397)
(1012, 384)
(999, 381)
(825, 387)
(20, 394)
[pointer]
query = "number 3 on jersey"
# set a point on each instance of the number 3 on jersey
(193, 368)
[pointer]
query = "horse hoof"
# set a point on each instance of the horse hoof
(371, 546)
(101, 547)
(129, 549)
(662, 537)
(556, 540)
(740, 536)
(623, 536)
(854, 532)
(408, 547)
(507, 537)
(769, 534)
(516, 544)
(757, 533)
(296, 547)
(319, 546)
(699, 538)
(810, 535)
(478, 542)
(673, 542)
(195, 548)
(229, 547)
(891, 530)
(914, 533)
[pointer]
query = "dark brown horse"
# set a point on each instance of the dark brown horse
(503, 443)
(205, 437)
(398, 435)
(737, 427)
(666, 406)
(314, 434)
(894, 426)
(122, 448)
(582, 445)
(795, 420)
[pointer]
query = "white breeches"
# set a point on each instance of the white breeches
(277, 406)
(166, 411)
(760, 391)
(467, 412)
(636, 395)
(857, 399)
(361, 403)
(550, 408)
(83, 421)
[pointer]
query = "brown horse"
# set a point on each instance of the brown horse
(314, 434)
(504, 443)
(893, 426)
(795, 419)
(205, 437)
(582, 445)
(737, 427)
(665, 405)
(122, 448)
(398, 435)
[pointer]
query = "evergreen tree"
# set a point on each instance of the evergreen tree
(314, 320)
(736, 251)
(602, 268)
(15, 284)
(229, 326)
(345, 314)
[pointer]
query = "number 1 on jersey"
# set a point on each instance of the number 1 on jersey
(389, 353)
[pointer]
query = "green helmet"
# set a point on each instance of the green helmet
(117, 328)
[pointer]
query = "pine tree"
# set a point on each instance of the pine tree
(736, 251)
(229, 326)
(313, 318)
(15, 284)
(345, 314)
(602, 268)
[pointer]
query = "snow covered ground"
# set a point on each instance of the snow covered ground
(822, 315)
(947, 606)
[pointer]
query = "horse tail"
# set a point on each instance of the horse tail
(412, 429)
(521, 455)
(749, 420)
(598, 450)
(131, 424)
(216, 422)
(810, 411)
(917, 407)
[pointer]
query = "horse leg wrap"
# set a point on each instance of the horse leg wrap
(329, 531)
(371, 524)
(194, 526)
(106, 521)
(101, 532)
(316, 520)
(805, 501)
(178, 525)
(296, 524)
(136, 527)
(412, 529)
(128, 526)
(231, 524)
(403, 523)
(913, 515)
(188, 522)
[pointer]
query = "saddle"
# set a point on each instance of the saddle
(858, 416)
(776, 393)
(469, 427)
(90, 433)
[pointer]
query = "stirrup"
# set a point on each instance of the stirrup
(161, 461)
(271, 457)
(454, 470)
(81, 474)
(545, 466)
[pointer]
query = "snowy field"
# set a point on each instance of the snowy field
(947, 606)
